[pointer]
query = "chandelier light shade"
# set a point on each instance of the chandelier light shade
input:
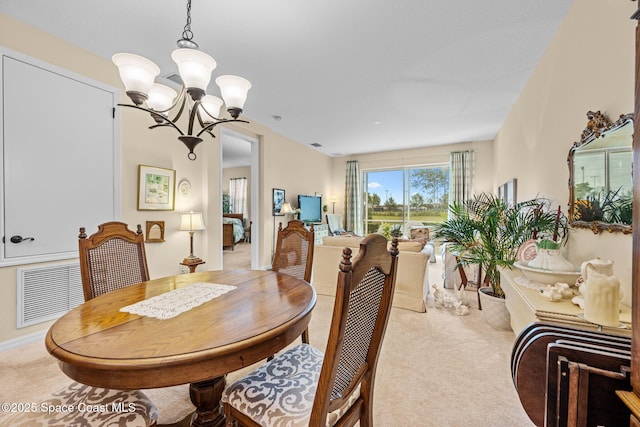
(161, 97)
(210, 106)
(234, 91)
(137, 74)
(195, 67)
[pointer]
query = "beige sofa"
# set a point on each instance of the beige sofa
(412, 280)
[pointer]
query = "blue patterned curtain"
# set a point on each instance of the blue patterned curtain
(353, 198)
(461, 182)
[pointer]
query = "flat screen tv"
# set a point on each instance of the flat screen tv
(311, 208)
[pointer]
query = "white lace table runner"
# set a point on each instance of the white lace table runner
(178, 301)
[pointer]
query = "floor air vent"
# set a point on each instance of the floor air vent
(46, 293)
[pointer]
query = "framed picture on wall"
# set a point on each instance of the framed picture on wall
(156, 188)
(278, 200)
(155, 231)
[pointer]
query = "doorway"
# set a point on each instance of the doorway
(239, 160)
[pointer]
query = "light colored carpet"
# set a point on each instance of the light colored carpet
(238, 258)
(436, 369)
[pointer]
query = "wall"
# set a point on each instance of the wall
(299, 170)
(589, 65)
(483, 178)
(289, 165)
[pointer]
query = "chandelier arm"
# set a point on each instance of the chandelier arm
(159, 125)
(214, 124)
(168, 122)
(192, 116)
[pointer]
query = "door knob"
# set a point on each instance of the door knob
(19, 239)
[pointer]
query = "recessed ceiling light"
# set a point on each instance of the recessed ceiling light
(377, 122)
(277, 118)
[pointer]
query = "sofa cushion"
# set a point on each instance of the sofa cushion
(342, 241)
(412, 280)
(408, 246)
(354, 242)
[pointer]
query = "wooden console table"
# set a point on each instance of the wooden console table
(526, 306)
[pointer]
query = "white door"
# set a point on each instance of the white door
(59, 165)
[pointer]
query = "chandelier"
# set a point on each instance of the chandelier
(138, 73)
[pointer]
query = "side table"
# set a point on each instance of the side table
(192, 263)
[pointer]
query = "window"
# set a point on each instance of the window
(602, 171)
(396, 196)
(238, 195)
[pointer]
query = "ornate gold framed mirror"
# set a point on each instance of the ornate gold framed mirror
(600, 183)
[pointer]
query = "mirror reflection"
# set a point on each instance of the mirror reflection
(600, 186)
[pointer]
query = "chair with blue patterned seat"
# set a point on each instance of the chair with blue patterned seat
(110, 259)
(337, 386)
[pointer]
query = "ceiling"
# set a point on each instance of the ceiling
(353, 76)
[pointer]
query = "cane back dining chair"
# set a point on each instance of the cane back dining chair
(112, 258)
(303, 387)
(294, 254)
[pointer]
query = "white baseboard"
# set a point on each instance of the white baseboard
(20, 341)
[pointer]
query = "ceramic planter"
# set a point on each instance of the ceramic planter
(494, 310)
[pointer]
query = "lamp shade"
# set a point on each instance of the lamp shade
(211, 105)
(233, 90)
(194, 66)
(136, 72)
(286, 208)
(161, 97)
(191, 221)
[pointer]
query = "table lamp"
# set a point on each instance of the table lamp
(191, 222)
(286, 208)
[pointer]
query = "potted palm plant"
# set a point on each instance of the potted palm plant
(486, 231)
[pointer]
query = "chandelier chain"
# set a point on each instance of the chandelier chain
(187, 34)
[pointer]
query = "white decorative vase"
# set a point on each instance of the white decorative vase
(602, 302)
(494, 310)
(600, 290)
(550, 258)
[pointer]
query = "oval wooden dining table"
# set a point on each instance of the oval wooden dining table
(99, 345)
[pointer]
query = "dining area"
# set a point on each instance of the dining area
(101, 345)
(134, 334)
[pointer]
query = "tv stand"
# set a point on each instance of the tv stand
(319, 232)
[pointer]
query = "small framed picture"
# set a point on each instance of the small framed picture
(278, 200)
(156, 188)
(155, 231)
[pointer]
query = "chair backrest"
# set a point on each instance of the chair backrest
(360, 315)
(112, 258)
(294, 250)
(334, 223)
